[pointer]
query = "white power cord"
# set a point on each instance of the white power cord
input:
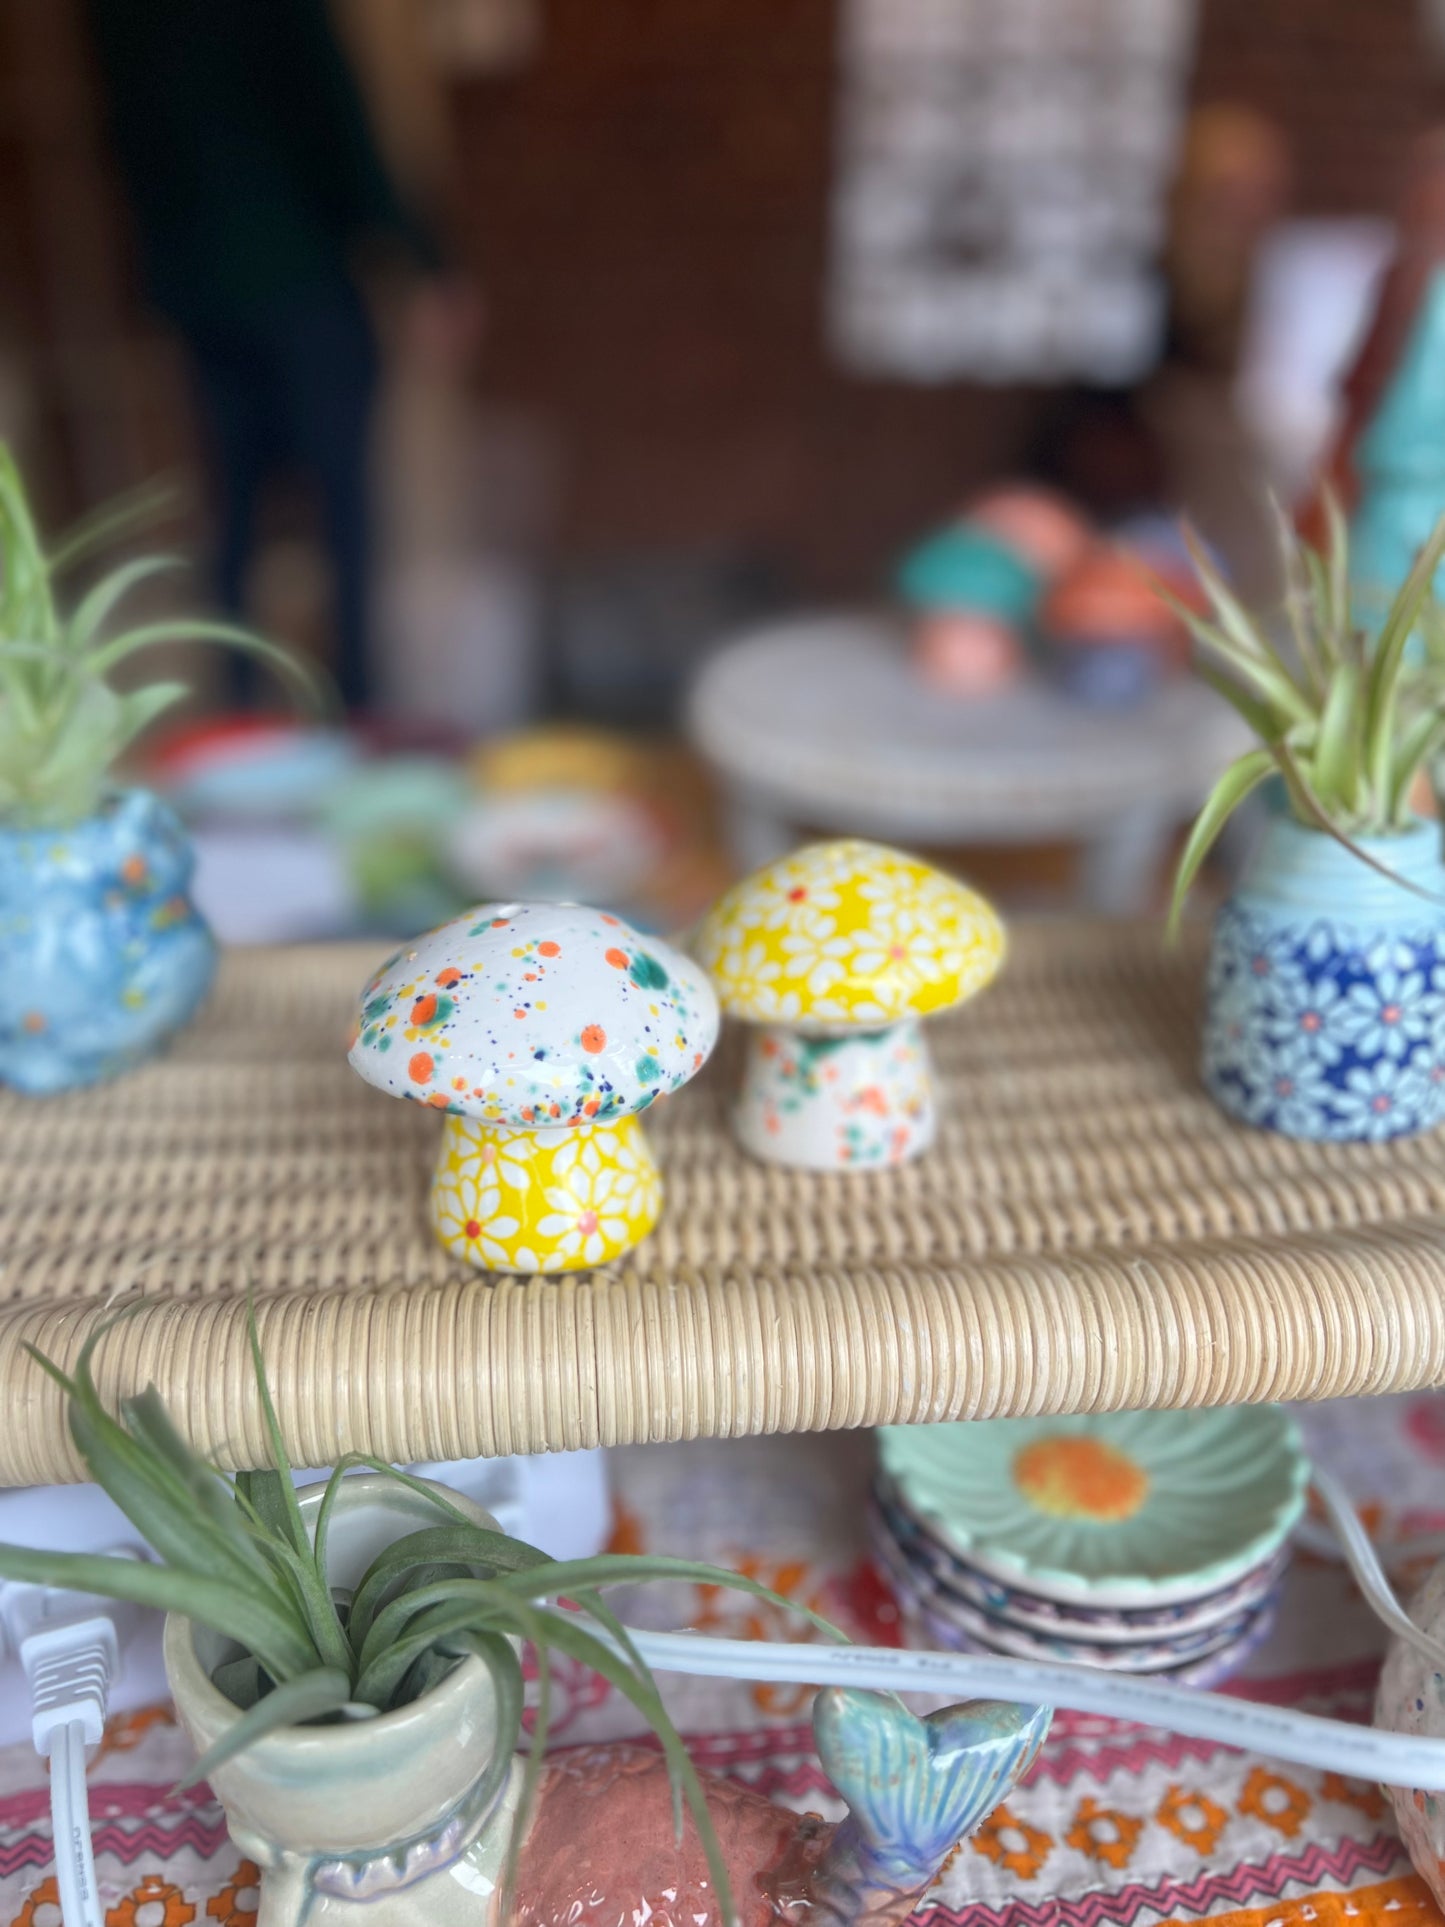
(69, 1646)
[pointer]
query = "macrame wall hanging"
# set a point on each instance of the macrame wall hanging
(1002, 167)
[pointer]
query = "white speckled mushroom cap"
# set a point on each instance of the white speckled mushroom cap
(535, 1015)
(847, 936)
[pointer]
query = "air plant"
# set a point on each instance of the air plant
(62, 725)
(1346, 716)
(236, 1555)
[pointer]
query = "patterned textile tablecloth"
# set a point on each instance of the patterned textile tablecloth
(1115, 1824)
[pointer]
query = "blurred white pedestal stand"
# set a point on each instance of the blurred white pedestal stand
(822, 723)
(558, 1501)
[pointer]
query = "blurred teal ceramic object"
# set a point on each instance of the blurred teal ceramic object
(1400, 461)
(963, 568)
(102, 952)
(1114, 1508)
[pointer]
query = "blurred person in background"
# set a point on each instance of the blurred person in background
(261, 199)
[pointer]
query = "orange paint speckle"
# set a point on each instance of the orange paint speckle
(424, 1009)
(529, 976)
(519, 1013)
(618, 959)
(459, 1083)
(446, 978)
(612, 920)
(421, 1067)
(438, 1100)
(594, 1038)
(133, 870)
(1072, 1477)
(592, 1106)
(549, 949)
(34, 1021)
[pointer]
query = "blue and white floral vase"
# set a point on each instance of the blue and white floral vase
(102, 952)
(1326, 999)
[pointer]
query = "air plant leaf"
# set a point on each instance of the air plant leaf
(1351, 734)
(62, 727)
(309, 1697)
(1243, 776)
(96, 608)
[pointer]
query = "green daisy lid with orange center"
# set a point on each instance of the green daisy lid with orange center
(1121, 1508)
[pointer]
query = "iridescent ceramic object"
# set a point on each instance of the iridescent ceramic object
(542, 1031)
(1325, 1015)
(1115, 1509)
(406, 1820)
(834, 954)
(102, 952)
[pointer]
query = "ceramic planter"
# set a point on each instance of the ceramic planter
(1411, 1699)
(102, 952)
(406, 1820)
(1325, 1011)
(396, 1821)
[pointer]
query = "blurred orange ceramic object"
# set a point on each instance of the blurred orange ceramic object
(1107, 595)
(966, 654)
(1110, 635)
(1047, 531)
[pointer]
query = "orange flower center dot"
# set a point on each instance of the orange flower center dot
(472, 1228)
(1080, 1478)
(587, 1223)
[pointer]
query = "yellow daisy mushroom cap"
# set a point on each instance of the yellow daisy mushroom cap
(847, 936)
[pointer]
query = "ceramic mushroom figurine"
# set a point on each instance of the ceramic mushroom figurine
(542, 1030)
(834, 953)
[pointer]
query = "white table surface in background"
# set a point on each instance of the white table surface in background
(823, 721)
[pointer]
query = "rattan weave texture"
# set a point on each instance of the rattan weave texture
(1088, 1233)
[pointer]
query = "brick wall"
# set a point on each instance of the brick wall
(649, 206)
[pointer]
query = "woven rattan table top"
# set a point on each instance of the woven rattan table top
(1088, 1233)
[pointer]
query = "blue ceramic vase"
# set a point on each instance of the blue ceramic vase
(1325, 1015)
(102, 952)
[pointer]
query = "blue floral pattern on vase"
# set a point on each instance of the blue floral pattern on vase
(1331, 1024)
(102, 952)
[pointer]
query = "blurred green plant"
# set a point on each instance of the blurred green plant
(1346, 717)
(62, 726)
(237, 1556)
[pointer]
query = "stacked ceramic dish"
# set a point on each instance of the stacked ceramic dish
(1139, 1542)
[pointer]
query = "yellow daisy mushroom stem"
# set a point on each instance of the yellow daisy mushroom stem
(834, 955)
(542, 1031)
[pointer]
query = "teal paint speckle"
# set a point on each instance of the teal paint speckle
(647, 973)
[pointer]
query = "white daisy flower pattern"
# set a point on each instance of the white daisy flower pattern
(1312, 1032)
(848, 933)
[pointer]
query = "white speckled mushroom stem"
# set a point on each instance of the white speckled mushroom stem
(852, 1102)
(562, 1199)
